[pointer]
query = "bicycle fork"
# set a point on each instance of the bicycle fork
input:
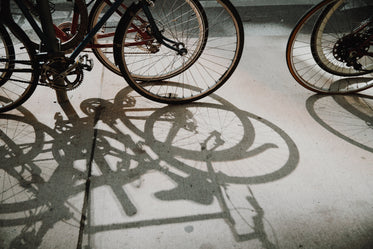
(179, 47)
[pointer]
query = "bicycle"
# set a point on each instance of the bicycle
(78, 76)
(171, 47)
(329, 50)
(71, 32)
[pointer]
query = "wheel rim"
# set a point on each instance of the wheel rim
(304, 67)
(214, 66)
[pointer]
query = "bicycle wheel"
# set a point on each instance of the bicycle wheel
(313, 47)
(174, 78)
(341, 38)
(102, 45)
(145, 55)
(19, 73)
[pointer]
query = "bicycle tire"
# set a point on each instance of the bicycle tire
(171, 17)
(305, 68)
(208, 70)
(102, 42)
(327, 36)
(21, 70)
(8, 51)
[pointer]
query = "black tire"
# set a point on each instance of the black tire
(19, 68)
(305, 64)
(6, 46)
(172, 19)
(181, 79)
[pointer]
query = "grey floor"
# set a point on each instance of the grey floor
(263, 163)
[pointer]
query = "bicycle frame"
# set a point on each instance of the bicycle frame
(95, 29)
(168, 53)
(60, 34)
(176, 46)
(43, 37)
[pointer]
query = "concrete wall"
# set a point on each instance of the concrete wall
(284, 12)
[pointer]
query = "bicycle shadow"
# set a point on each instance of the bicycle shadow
(349, 117)
(199, 152)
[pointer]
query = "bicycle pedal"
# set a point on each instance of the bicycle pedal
(85, 62)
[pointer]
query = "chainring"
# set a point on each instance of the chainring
(52, 70)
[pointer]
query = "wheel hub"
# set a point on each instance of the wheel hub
(349, 49)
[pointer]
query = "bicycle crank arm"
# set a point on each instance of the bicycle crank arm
(84, 63)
